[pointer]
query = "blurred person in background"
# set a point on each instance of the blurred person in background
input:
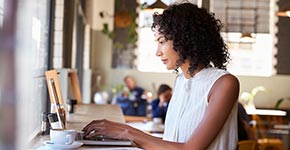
(160, 104)
(133, 101)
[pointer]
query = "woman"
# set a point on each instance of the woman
(160, 104)
(202, 113)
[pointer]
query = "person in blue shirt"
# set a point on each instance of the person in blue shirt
(132, 101)
(160, 104)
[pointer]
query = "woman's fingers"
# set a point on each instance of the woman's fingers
(92, 123)
(93, 127)
(89, 131)
(92, 135)
(104, 127)
(95, 133)
(95, 123)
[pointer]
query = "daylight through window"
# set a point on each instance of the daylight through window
(251, 57)
(1, 12)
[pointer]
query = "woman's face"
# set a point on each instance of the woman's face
(165, 51)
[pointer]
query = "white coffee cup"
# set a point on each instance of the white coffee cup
(157, 121)
(62, 137)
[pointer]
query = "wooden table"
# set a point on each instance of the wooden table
(86, 113)
(83, 115)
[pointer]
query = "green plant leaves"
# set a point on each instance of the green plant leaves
(107, 32)
(279, 101)
(132, 35)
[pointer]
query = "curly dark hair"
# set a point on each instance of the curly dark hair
(195, 34)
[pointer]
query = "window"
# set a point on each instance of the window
(253, 17)
(1, 12)
(32, 47)
(254, 58)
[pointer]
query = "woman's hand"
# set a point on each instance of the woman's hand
(125, 132)
(106, 128)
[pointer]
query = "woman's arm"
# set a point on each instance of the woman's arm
(126, 132)
(222, 97)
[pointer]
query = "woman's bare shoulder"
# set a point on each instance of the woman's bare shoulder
(228, 79)
(227, 84)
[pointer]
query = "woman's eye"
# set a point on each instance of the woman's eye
(161, 41)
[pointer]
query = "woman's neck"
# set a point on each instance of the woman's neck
(184, 68)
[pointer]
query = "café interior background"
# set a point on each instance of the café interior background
(24, 42)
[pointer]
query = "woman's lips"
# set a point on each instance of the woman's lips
(164, 61)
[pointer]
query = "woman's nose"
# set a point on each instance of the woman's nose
(158, 52)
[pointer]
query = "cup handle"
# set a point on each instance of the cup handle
(70, 140)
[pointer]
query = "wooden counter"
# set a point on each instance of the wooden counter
(86, 113)
(83, 115)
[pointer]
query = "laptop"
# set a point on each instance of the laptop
(100, 140)
(56, 99)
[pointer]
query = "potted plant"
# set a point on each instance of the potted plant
(248, 97)
(124, 35)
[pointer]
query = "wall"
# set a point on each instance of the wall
(283, 44)
(279, 86)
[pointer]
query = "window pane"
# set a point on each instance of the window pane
(1, 12)
(32, 42)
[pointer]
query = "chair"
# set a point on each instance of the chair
(246, 145)
(270, 144)
(264, 142)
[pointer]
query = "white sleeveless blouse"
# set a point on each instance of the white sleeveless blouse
(187, 107)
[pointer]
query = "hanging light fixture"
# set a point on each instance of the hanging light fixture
(247, 37)
(157, 6)
(285, 11)
(123, 18)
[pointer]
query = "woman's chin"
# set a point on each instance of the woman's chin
(170, 68)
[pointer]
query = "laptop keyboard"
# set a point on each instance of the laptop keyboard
(80, 137)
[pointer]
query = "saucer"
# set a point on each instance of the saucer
(75, 144)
